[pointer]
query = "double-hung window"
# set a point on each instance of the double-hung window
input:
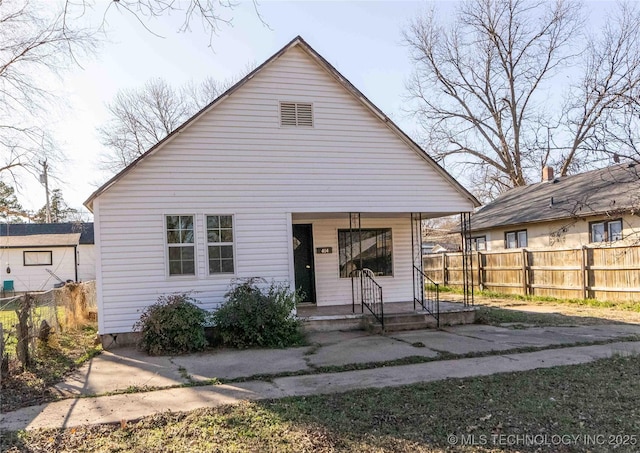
(515, 239)
(606, 231)
(180, 244)
(479, 243)
(220, 244)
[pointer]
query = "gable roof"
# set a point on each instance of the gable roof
(303, 45)
(608, 190)
(30, 229)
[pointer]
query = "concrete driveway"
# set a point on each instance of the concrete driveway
(125, 368)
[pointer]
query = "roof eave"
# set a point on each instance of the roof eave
(331, 70)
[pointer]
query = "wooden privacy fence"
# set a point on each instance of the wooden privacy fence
(604, 273)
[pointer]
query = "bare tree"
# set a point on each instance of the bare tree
(602, 109)
(210, 14)
(484, 93)
(141, 118)
(39, 40)
(35, 42)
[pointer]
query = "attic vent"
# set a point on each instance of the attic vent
(296, 114)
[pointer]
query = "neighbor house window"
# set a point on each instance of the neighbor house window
(296, 114)
(180, 243)
(368, 249)
(479, 243)
(220, 244)
(38, 258)
(515, 239)
(606, 231)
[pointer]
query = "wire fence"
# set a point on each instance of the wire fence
(30, 316)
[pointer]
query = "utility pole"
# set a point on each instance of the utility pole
(44, 179)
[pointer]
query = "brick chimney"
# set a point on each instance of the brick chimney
(547, 173)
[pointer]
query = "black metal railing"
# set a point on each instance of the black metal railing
(368, 292)
(426, 293)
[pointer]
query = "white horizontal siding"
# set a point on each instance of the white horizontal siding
(333, 290)
(134, 274)
(86, 262)
(236, 159)
(36, 278)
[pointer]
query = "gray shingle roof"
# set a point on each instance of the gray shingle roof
(607, 190)
(28, 229)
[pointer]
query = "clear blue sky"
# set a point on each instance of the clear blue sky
(363, 40)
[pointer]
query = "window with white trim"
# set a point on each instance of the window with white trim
(181, 244)
(38, 257)
(479, 243)
(515, 239)
(296, 114)
(606, 231)
(220, 244)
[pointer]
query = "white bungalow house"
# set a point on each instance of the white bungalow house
(39, 256)
(292, 175)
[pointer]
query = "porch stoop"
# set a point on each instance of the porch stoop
(398, 317)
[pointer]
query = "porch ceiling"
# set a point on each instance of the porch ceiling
(364, 215)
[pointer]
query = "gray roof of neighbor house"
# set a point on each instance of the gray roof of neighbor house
(608, 190)
(30, 229)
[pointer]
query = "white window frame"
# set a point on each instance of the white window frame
(517, 237)
(606, 233)
(220, 243)
(475, 241)
(169, 245)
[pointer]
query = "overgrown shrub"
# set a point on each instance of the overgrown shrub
(173, 325)
(257, 317)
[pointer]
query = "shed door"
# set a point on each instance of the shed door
(303, 261)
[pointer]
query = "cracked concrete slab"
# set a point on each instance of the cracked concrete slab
(450, 342)
(112, 409)
(230, 364)
(372, 348)
(119, 370)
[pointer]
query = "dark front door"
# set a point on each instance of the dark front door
(303, 261)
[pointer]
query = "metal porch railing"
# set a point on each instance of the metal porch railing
(426, 293)
(368, 292)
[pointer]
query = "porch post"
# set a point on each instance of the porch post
(467, 257)
(355, 225)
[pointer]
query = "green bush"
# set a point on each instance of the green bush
(257, 317)
(173, 325)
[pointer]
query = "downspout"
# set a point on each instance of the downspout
(75, 260)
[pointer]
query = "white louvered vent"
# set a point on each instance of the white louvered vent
(296, 114)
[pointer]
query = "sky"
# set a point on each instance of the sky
(362, 39)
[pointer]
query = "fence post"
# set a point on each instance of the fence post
(525, 267)
(444, 269)
(480, 281)
(22, 329)
(4, 370)
(583, 271)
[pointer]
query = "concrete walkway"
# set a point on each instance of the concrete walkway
(123, 369)
(113, 409)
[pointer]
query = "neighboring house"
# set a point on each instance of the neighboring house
(440, 240)
(599, 207)
(276, 178)
(35, 251)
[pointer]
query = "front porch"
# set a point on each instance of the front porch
(398, 316)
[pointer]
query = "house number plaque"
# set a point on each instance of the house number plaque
(324, 250)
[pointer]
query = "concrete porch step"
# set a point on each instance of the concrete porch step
(398, 316)
(418, 321)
